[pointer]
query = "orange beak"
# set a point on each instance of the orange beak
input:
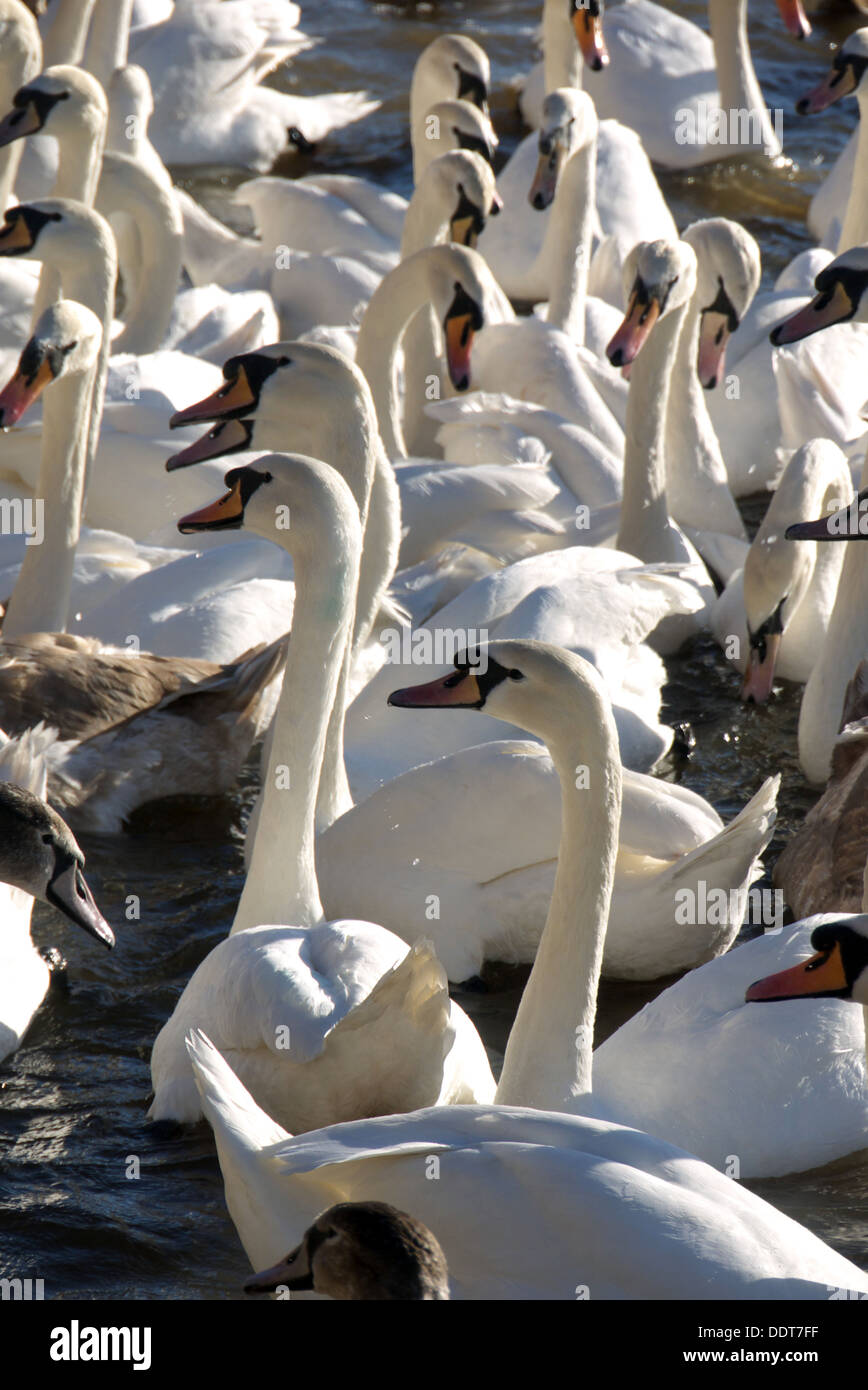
(19, 394)
(640, 318)
(588, 28)
(232, 398)
(713, 338)
(459, 343)
(227, 437)
(794, 17)
(459, 690)
(838, 82)
(824, 310)
(821, 976)
(226, 514)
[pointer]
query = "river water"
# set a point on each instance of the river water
(73, 1098)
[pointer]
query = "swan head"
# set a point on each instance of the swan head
(794, 17)
(840, 298)
(727, 278)
(67, 341)
(453, 67)
(60, 231)
(659, 277)
(845, 76)
(535, 685)
(39, 854)
(569, 122)
(362, 1250)
(461, 190)
(838, 970)
(297, 502)
(60, 101)
(586, 17)
(283, 391)
(454, 125)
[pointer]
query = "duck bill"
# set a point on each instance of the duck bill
(630, 337)
(293, 1273)
(456, 691)
(19, 394)
(231, 400)
(18, 123)
(760, 673)
(795, 20)
(588, 29)
(823, 311)
(545, 181)
(838, 82)
(713, 339)
(226, 514)
(228, 437)
(821, 977)
(69, 893)
(459, 344)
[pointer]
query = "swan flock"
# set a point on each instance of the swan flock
(379, 469)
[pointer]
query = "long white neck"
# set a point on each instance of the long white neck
(108, 39)
(40, 601)
(129, 187)
(548, 1056)
(562, 58)
(281, 884)
(738, 87)
(64, 42)
(694, 460)
(391, 306)
(646, 530)
(566, 248)
(80, 162)
(854, 229)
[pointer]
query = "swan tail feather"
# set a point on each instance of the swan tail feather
(228, 1106)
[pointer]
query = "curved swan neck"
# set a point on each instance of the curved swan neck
(281, 884)
(40, 601)
(108, 39)
(645, 526)
(65, 40)
(562, 59)
(548, 1056)
(854, 228)
(566, 247)
(127, 186)
(391, 306)
(738, 87)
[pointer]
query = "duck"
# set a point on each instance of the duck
(41, 859)
(326, 1019)
(772, 617)
(363, 1251)
(698, 1233)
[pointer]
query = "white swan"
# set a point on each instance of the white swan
(673, 1212)
(691, 97)
(40, 859)
(777, 607)
(323, 1018)
(838, 209)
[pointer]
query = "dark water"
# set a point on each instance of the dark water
(74, 1096)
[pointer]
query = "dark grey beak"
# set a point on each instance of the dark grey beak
(292, 1273)
(69, 893)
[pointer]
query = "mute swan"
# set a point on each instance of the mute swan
(847, 77)
(206, 63)
(682, 91)
(369, 1023)
(40, 859)
(452, 67)
(20, 61)
(362, 1250)
(659, 280)
(777, 607)
(669, 1211)
(839, 970)
(685, 1043)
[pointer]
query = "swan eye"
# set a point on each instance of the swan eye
(515, 675)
